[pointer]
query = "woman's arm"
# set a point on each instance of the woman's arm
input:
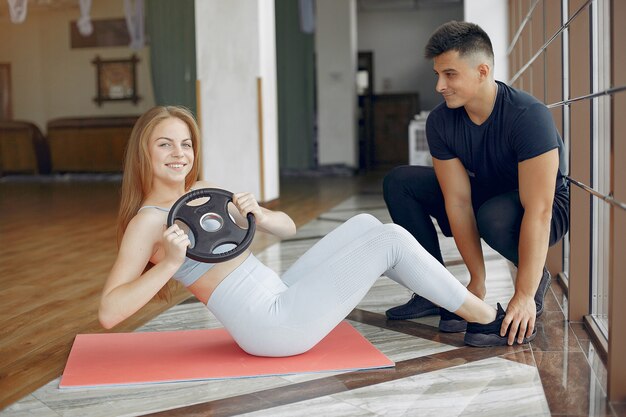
(128, 288)
(274, 222)
(277, 223)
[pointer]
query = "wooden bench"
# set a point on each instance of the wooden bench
(89, 144)
(23, 148)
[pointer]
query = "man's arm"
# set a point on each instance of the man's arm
(537, 178)
(457, 194)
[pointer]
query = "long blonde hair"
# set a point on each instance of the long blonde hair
(137, 179)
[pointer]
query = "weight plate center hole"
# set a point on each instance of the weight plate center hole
(211, 222)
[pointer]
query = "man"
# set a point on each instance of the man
(496, 175)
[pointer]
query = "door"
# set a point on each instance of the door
(6, 112)
(365, 91)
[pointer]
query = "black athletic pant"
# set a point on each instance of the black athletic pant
(413, 195)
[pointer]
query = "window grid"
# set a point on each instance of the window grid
(601, 64)
(600, 104)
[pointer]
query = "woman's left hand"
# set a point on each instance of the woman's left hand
(246, 203)
(270, 221)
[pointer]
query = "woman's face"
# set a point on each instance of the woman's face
(171, 150)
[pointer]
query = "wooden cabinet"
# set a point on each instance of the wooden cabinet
(392, 115)
(94, 144)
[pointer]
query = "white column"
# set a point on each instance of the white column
(336, 52)
(267, 64)
(235, 48)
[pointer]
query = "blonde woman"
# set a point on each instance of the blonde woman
(267, 315)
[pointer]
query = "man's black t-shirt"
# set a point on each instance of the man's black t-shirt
(520, 127)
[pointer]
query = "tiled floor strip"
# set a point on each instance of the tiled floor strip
(335, 384)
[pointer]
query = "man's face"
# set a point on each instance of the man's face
(459, 78)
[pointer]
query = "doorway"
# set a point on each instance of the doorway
(365, 92)
(6, 111)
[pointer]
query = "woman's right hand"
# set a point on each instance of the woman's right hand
(175, 243)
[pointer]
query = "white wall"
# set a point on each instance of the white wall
(51, 80)
(493, 17)
(398, 37)
(234, 46)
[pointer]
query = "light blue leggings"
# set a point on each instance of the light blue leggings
(270, 316)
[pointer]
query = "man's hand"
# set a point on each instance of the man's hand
(520, 316)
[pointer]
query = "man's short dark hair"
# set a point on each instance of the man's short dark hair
(464, 37)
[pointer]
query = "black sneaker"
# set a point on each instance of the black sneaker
(450, 322)
(544, 284)
(417, 307)
(484, 335)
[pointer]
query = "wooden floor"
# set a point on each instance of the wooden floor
(57, 245)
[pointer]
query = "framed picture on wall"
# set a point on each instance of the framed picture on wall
(116, 79)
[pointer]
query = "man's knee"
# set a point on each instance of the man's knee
(500, 230)
(559, 225)
(392, 182)
(409, 179)
(501, 215)
(492, 227)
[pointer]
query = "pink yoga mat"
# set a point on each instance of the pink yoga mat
(191, 355)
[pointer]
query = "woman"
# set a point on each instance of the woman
(266, 315)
